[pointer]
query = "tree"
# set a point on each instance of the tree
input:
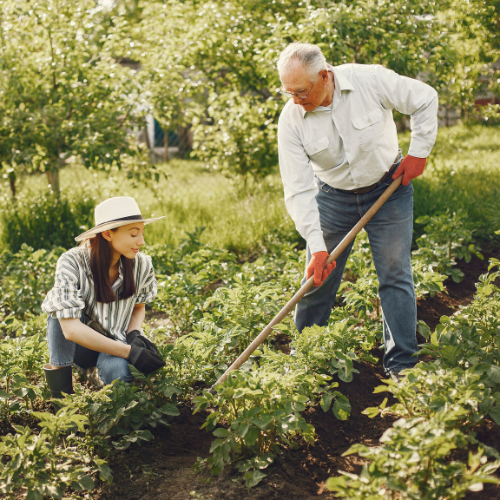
(232, 47)
(63, 95)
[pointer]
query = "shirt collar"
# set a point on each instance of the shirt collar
(340, 80)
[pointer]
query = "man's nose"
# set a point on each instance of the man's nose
(297, 100)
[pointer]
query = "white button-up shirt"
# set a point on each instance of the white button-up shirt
(353, 142)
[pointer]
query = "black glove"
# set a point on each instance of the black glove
(143, 359)
(145, 342)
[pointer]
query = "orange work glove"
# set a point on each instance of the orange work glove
(410, 167)
(317, 267)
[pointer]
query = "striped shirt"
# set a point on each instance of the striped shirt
(73, 294)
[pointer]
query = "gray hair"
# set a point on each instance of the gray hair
(310, 56)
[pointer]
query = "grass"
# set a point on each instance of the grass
(462, 173)
(190, 197)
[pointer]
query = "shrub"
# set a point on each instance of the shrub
(45, 221)
(25, 278)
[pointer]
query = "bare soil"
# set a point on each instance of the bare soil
(162, 469)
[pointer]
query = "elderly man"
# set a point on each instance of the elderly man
(338, 152)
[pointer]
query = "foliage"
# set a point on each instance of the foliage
(115, 415)
(40, 465)
(21, 360)
(26, 278)
(415, 462)
(458, 341)
(428, 389)
(65, 97)
(182, 294)
(262, 410)
(227, 76)
(45, 221)
(329, 349)
(446, 239)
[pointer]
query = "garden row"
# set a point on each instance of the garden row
(215, 307)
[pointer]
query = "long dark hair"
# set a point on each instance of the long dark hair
(100, 261)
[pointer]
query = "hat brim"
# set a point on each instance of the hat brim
(91, 233)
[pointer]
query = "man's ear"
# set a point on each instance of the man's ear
(106, 235)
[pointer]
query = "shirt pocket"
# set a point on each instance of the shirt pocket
(317, 147)
(368, 129)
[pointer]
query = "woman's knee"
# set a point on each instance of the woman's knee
(114, 368)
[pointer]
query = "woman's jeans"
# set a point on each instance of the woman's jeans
(66, 353)
(390, 235)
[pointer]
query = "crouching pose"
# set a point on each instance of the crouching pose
(97, 306)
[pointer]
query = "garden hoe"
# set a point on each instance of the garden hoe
(309, 283)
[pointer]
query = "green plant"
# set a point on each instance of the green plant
(241, 311)
(472, 335)
(43, 466)
(26, 278)
(65, 98)
(415, 462)
(21, 362)
(182, 295)
(261, 409)
(429, 388)
(45, 221)
(115, 415)
(446, 239)
(328, 349)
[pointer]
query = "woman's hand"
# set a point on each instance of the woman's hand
(135, 337)
(145, 360)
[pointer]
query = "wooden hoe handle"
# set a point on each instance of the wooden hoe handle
(309, 283)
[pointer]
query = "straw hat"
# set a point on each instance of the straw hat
(113, 213)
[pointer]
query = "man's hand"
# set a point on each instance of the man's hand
(317, 267)
(410, 167)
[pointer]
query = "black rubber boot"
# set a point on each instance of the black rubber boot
(59, 380)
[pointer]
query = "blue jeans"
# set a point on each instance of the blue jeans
(390, 236)
(63, 352)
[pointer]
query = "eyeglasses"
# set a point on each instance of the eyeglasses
(301, 95)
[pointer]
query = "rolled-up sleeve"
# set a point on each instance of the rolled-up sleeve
(300, 187)
(65, 300)
(149, 285)
(414, 98)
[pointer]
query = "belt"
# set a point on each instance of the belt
(367, 189)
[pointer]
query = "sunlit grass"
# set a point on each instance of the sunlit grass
(234, 217)
(463, 172)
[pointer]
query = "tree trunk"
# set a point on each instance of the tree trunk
(12, 183)
(53, 180)
(165, 143)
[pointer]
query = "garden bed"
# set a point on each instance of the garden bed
(162, 469)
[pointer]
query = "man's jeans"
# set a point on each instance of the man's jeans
(63, 352)
(390, 235)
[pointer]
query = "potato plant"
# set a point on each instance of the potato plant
(115, 416)
(446, 239)
(472, 335)
(261, 409)
(44, 465)
(21, 360)
(429, 388)
(415, 462)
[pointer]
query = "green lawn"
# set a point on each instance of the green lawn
(463, 173)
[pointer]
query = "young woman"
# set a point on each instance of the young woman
(97, 306)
